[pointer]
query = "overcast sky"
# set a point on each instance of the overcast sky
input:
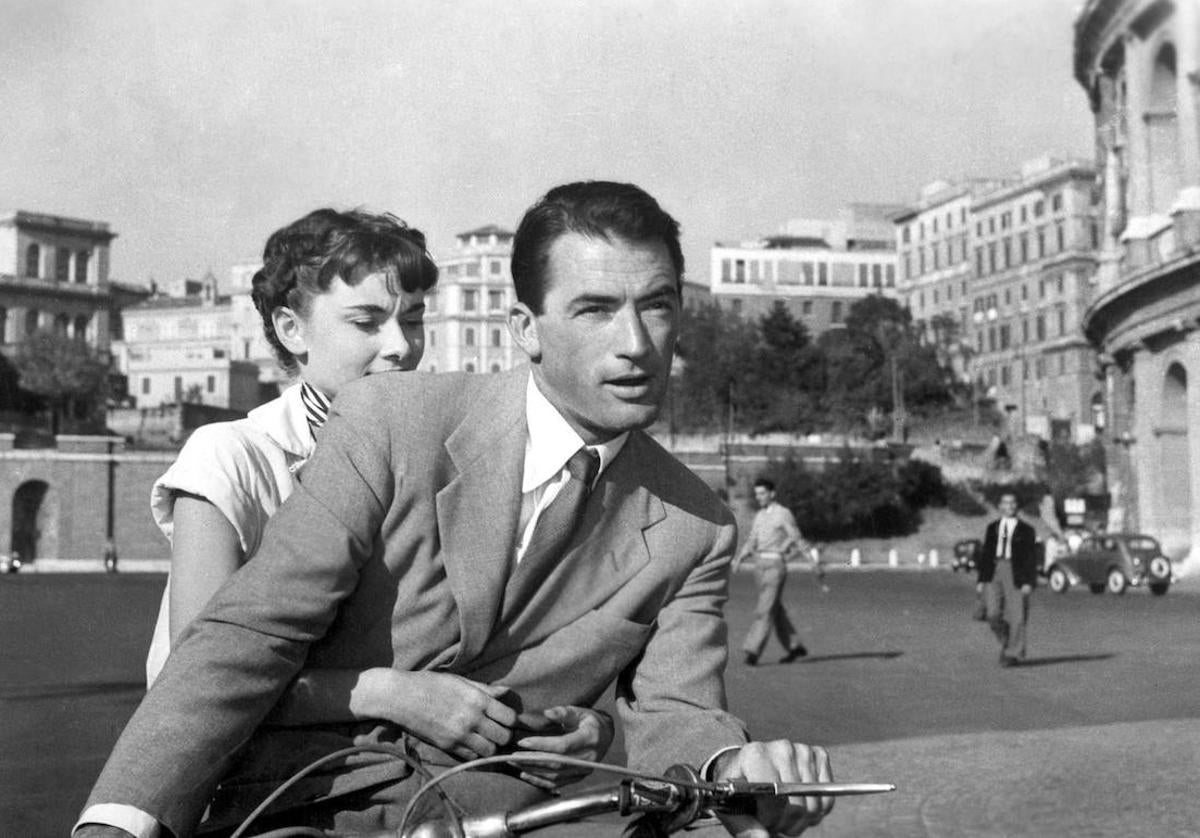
(197, 128)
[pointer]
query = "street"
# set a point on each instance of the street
(1095, 736)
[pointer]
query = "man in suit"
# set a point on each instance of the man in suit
(1008, 573)
(417, 540)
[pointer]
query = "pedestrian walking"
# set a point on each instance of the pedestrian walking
(773, 537)
(1008, 573)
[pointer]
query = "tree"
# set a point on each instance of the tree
(716, 348)
(64, 371)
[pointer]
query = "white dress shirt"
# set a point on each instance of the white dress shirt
(1004, 535)
(549, 444)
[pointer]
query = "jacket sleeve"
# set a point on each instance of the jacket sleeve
(671, 700)
(236, 659)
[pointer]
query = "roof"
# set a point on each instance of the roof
(488, 230)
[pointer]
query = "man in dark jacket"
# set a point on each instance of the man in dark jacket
(1008, 573)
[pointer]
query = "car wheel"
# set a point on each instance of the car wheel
(1059, 581)
(1159, 588)
(1096, 587)
(1117, 583)
(1160, 566)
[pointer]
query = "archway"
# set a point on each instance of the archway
(1175, 472)
(33, 520)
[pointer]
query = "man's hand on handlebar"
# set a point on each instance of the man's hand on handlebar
(578, 732)
(778, 761)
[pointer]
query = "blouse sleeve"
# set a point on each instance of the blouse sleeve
(223, 465)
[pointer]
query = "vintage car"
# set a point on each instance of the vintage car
(1112, 562)
(965, 554)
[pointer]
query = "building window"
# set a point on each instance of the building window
(992, 258)
(62, 324)
(991, 339)
(1024, 214)
(836, 312)
(431, 302)
(494, 267)
(470, 367)
(33, 260)
(979, 261)
(739, 270)
(806, 308)
(81, 266)
(904, 234)
(1004, 337)
(178, 388)
(889, 276)
(496, 338)
(864, 275)
(62, 265)
(1061, 234)
(936, 257)
(1008, 253)
(737, 306)
(1062, 321)
(822, 273)
(1024, 331)
(1056, 202)
(1040, 324)
(1024, 248)
(145, 386)
(1041, 242)
(992, 225)
(210, 384)
(469, 337)
(495, 368)
(432, 338)
(1005, 376)
(472, 269)
(726, 272)
(754, 275)
(81, 327)
(3, 325)
(495, 300)
(921, 260)
(1039, 209)
(469, 299)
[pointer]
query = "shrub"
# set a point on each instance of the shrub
(854, 497)
(960, 501)
(921, 484)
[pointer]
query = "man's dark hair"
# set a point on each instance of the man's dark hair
(766, 483)
(598, 209)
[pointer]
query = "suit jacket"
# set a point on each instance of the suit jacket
(396, 550)
(1023, 553)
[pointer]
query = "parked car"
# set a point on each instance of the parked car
(1112, 562)
(965, 553)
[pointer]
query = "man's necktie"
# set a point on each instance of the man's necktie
(1006, 529)
(553, 529)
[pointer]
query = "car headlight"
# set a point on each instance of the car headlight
(1137, 561)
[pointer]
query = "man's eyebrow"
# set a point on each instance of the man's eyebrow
(366, 308)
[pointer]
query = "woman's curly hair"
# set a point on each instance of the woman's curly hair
(301, 260)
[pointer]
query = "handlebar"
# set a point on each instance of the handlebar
(667, 805)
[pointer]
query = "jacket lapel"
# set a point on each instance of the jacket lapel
(478, 509)
(608, 549)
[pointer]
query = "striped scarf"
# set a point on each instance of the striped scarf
(316, 406)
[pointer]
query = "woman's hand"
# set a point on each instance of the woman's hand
(456, 714)
(587, 733)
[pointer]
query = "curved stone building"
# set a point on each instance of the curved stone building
(1139, 61)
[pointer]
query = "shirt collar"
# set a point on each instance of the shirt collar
(551, 441)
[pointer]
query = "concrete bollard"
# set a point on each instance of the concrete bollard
(921, 559)
(855, 557)
(893, 558)
(933, 558)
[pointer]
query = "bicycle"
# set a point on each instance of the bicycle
(663, 804)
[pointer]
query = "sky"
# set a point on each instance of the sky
(197, 128)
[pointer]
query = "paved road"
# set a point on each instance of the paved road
(1097, 737)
